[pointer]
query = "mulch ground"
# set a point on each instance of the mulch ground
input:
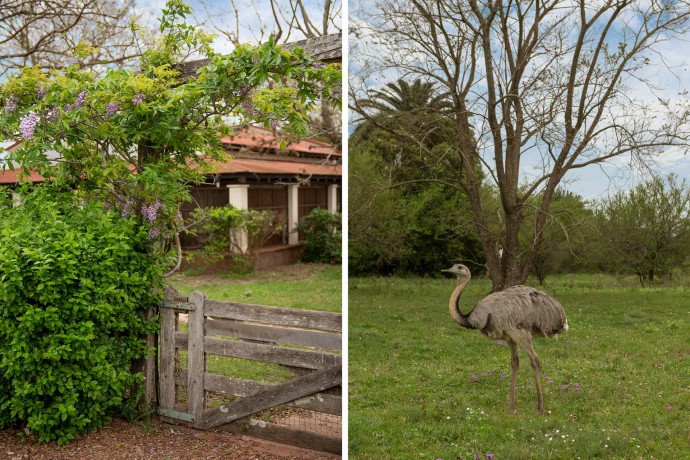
(124, 440)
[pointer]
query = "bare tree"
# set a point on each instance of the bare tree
(554, 84)
(45, 32)
(292, 19)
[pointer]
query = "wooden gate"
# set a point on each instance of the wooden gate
(206, 381)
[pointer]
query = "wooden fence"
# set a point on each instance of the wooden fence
(304, 346)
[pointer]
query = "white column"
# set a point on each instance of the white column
(333, 198)
(16, 199)
(293, 212)
(239, 198)
(239, 195)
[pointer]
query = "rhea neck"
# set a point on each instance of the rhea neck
(454, 303)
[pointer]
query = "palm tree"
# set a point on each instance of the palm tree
(401, 96)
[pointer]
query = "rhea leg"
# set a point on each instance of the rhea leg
(534, 361)
(514, 364)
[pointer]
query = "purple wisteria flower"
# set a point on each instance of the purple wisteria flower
(248, 108)
(68, 107)
(81, 98)
(53, 114)
(112, 109)
(41, 91)
(150, 212)
(274, 124)
(138, 98)
(10, 104)
(28, 125)
(318, 65)
(154, 232)
(127, 209)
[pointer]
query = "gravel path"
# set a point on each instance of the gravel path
(124, 440)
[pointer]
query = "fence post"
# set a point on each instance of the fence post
(150, 365)
(196, 359)
(166, 378)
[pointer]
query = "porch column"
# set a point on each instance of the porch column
(239, 198)
(293, 212)
(333, 198)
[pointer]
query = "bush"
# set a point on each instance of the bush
(323, 233)
(237, 232)
(75, 282)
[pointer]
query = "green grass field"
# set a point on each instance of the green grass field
(303, 286)
(616, 385)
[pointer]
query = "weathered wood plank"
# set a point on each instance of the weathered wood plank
(286, 435)
(280, 394)
(150, 366)
(284, 335)
(318, 402)
(196, 360)
(306, 319)
(262, 352)
(166, 371)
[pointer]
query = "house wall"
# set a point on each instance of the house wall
(261, 196)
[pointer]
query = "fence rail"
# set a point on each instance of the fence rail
(303, 344)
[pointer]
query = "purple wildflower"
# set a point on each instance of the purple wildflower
(53, 114)
(248, 108)
(550, 382)
(10, 104)
(489, 456)
(112, 108)
(669, 407)
(41, 91)
(127, 209)
(482, 375)
(576, 386)
(474, 377)
(81, 98)
(28, 125)
(500, 377)
(274, 124)
(138, 98)
(150, 212)
(318, 65)
(563, 387)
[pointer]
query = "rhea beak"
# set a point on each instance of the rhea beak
(449, 270)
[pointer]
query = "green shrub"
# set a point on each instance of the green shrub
(237, 232)
(75, 282)
(323, 233)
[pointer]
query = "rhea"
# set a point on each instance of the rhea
(516, 315)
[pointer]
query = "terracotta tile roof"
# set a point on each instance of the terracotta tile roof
(253, 137)
(11, 177)
(255, 166)
(255, 140)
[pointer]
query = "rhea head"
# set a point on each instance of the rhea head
(460, 270)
